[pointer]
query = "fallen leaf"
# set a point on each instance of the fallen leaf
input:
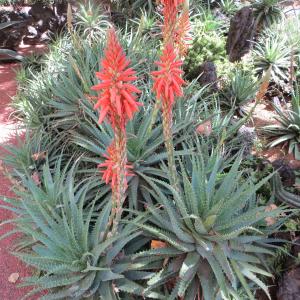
(297, 186)
(36, 178)
(13, 278)
(205, 128)
(270, 220)
(90, 98)
(39, 155)
(158, 244)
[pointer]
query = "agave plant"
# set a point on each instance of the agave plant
(69, 243)
(267, 12)
(214, 232)
(242, 89)
(288, 128)
(272, 51)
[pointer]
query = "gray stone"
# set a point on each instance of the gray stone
(208, 75)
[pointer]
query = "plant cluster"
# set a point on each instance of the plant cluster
(288, 128)
(205, 47)
(131, 182)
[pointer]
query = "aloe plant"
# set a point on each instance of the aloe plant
(267, 12)
(145, 150)
(91, 22)
(288, 128)
(271, 51)
(68, 241)
(215, 234)
(242, 89)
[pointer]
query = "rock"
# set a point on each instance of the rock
(248, 137)
(285, 171)
(295, 251)
(289, 286)
(241, 33)
(208, 73)
(39, 11)
(39, 22)
(205, 128)
(61, 8)
(13, 278)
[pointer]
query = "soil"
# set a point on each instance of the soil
(264, 115)
(12, 270)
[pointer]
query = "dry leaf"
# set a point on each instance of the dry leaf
(90, 98)
(270, 220)
(158, 244)
(1, 166)
(39, 155)
(36, 178)
(297, 186)
(13, 278)
(205, 128)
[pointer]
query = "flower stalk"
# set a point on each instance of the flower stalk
(168, 79)
(117, 104)
(167, 86)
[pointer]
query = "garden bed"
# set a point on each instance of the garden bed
(160, 157)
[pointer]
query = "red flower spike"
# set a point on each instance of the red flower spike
(117, 99)
(167, 80)
(111, 167)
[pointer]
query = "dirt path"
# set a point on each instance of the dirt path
(8, 130)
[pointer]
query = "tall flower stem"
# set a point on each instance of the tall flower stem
(119, 193)
(167, 86)
(154, 115)
(167, 118)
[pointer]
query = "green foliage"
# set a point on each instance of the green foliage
(229, 7)
(69, 242)
(133, 7)
(267, 12)
(213, 248)
(242, 89)
(290, 25)
(272, 51)
(215, 230)
(91, 23)
(282, 195)
(205, 47)
(288, 128)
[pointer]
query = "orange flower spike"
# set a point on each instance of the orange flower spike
(110, 167)
(182, 33)
(117, 94)
(168, 81)
(170, 20)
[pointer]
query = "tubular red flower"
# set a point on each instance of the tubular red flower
(117, 94)
(167, 80)
(111, 167)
